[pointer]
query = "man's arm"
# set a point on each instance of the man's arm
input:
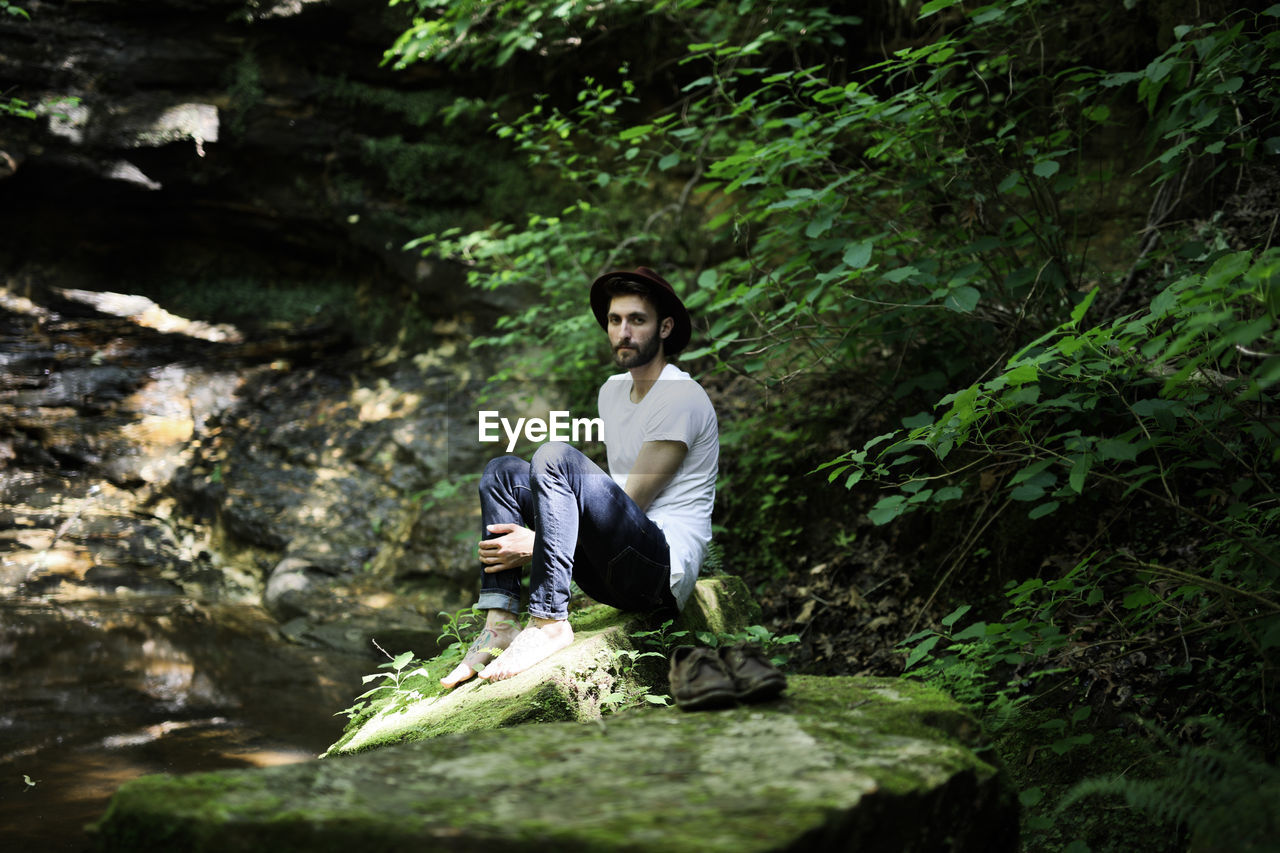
(655, 465)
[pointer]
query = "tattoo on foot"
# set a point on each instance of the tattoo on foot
(482, 642)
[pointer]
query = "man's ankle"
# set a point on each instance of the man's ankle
(501, 620)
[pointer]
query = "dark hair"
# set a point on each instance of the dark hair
(631, 287)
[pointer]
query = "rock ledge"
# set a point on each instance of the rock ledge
(835, 764)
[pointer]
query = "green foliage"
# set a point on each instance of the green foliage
(480, 32)
(10, 105)
(1170, 407)
(458, 625)
(663, 641)
(1210, 93)
(1220, 790)
(403, 682)
(444, 491)
(973, 662)
(18, 108)
(936, 227)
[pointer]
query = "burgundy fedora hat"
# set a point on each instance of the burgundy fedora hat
(670, 304)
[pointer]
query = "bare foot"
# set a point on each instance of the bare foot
(537, 642)
(500, 629)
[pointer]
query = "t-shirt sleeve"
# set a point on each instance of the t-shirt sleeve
(677, 419)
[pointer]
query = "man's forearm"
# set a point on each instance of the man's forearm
(655, 465)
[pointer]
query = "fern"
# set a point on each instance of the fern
(1221, 791)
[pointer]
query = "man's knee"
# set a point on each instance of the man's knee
(554, 456)
(499, 468)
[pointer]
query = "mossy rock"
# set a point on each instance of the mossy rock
(577, 683)
(835, 764)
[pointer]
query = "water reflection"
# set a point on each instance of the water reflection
(98, 692)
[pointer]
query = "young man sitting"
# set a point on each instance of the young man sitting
(633, 538)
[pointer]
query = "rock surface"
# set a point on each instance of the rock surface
(603, 666)
(209, 139)
(835, 764)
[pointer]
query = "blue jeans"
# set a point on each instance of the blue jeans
(588, 530)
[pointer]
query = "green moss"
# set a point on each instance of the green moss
(595, 617)
(572, 685)
(859, 758)
(721, 605)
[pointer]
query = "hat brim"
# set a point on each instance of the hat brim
(669, 304)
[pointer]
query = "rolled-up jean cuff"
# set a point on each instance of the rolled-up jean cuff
(498, 600)
(544, 614)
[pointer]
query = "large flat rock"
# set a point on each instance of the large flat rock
(835, 764)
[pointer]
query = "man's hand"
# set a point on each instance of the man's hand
(512, 549)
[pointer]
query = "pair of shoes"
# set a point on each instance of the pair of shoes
(713, 678)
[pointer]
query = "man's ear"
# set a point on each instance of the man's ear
(668, 323)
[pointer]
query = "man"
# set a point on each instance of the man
(634, 538)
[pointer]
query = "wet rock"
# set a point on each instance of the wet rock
(837, 764)
(102, 689)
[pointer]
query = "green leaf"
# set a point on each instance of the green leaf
(918, 653)
(963, 299)
(1139, 598)
(635, 132)
(975, 631)
(819, 226)
(934, 6)
(1027, 492)
(1022, 374)
(1043, 509)
(1046, 168)
(1121, 451)
(955, 615)
(887, 509)
(1097, 114)
(987, 14)
(1030, 472)
(1078, 312)
(669, 161)
(858, 255)
(903, 273)
(1080, 465)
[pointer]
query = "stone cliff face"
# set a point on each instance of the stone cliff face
(204, 139)
(246, 163)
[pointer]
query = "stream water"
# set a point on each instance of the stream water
(130, 643)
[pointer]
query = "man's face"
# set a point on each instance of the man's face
(634, 331)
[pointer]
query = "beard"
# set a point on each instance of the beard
(643, 353)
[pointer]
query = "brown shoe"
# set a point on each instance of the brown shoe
(755, 678)
(699, 679)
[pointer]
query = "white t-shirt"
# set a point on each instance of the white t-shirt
(675, 409)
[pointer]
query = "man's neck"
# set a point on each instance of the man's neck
(643, 377)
